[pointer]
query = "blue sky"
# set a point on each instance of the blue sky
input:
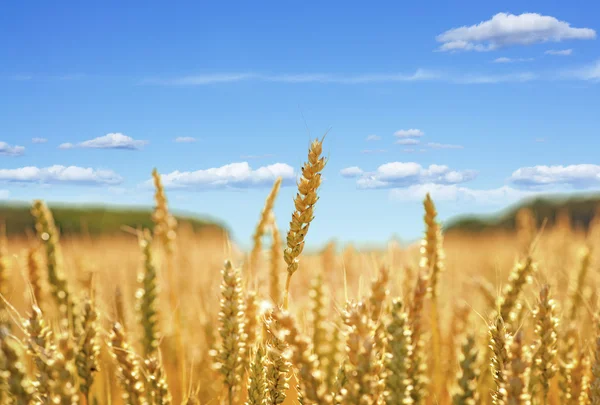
(478, 103)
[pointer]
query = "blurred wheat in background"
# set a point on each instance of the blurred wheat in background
(178, 315)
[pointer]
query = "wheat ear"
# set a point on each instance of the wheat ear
(304, 203)
(262, 226)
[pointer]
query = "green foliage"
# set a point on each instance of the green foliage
(581, 210)
(92, 220)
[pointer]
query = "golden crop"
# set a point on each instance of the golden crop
(177, 316)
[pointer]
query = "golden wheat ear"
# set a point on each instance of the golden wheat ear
(59, 288)
(230, 355)
(261, 227)
(88, 350)
(128, 368)
(304, 203)
(543, 365)
(398, 361)
(466, 386)
(14, 377)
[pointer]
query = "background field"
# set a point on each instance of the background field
(477, 276)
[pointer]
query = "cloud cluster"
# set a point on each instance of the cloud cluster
(108, 141)
(453, 192)
(233, 175)
(576, 176)
(505, 29)
(59, 174)
(8, 150)
(351, 172)
(373, 138)
(410, 181)
(409, 133)
(39, 140)
(408, 137)
(405, 174)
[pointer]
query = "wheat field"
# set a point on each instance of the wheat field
(179, 316)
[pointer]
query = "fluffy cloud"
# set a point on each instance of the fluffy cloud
(108, 141)
(39, 140)
(233, 175)
(59, 174)
(8, 150)
(373, 138)
(577, 176)
(505, 29)
(409, 133)
(560, 52)
(405, 174)
(452, 192)
(351, 172)
(185, 139)
(435, 145)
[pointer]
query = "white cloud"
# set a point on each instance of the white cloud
(215, 78)
(4, 194)
(233, 175)
(351, 172)
(445, 76)
(511, 60)
(540, 140)
(39, 140)
(559, 52)
(452, 192)
(590, 72)
(404, 174)
(522, 77)
(59, 174)
(202, 79)
(372, 151)
(407, 141)
(8, 150)
(108, 141)
(418, 75)
(185, 139)
(409, 133)
(373, 138)
(505, 29)
(577, 176)
(435, 145)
